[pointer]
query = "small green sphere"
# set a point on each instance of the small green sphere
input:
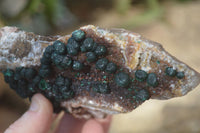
(122, 79)
(170, 71)
(73, 43)
(56, 58)
(180, 75)
(100, 50)
(101, 64)
(91, 57)
(142, 95)
(30, 73)
(77, 65)
(88, 43)
(66, 62)
(152, 79)
(71, 50)
(48, 51)
(59, 47)
(111, 67)
(140, 75)
(78, 35)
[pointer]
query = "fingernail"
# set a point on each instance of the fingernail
(34, 105)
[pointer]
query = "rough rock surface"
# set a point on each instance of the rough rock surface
(144, 70)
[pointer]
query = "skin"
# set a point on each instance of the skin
(39, 117)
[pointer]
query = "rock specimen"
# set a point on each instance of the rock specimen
(92, 72)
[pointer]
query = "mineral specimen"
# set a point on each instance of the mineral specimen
(92, 72)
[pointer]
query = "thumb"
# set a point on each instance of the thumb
(36, 120)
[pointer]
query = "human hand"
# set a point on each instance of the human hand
(39, 118)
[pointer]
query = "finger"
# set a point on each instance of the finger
(97, 125)
(36, 120)
(105, 123)
(92, 126)
(69, 124)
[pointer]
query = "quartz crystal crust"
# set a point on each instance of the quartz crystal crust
(93, 72)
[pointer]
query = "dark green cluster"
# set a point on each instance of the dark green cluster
(62, 89)
(142, 95)
(172, 72)
(78, 35)
(72, 46)
(77, 65)
(91, 57)
(180, 75)
(102, 88)
(122, 79)
(152, 80)
(111, 67)
(101, 64)
(20, 79)
(100, 50)
(141, 75)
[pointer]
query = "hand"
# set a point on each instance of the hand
(39, 117)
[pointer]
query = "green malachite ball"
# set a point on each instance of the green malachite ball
(77, 65)
(72, 46)
(152, 79)
(100, 50)
(59, 47)
(30, 73)
(73, 43)
(91, 57)
(141, 75)
(88, 43)
(66, 62)
(180, 75)
(142, 95)
(56, 58)
(170, 71)
(122, 79)
(101, 64)
(78, 35)
(48, 51)
(111, 67)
